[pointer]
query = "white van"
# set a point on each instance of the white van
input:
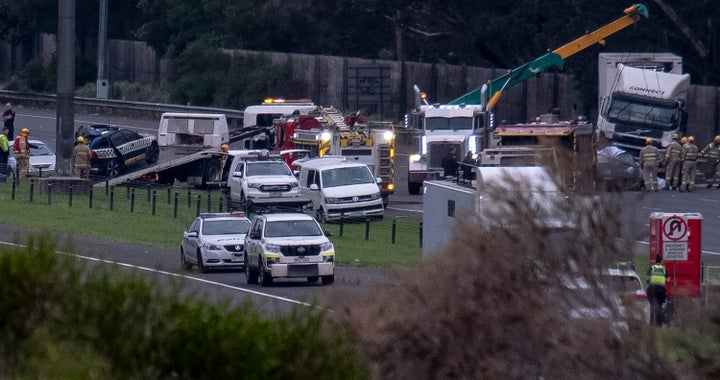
(202, 130)
(339, 188)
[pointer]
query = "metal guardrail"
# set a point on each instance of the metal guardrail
(118, 107)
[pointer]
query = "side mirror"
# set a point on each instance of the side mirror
(192, 234)
(237, 174)
(327, 233)
(314, 187)
(378, 180)
(254, 235)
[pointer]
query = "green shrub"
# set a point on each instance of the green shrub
(62, 319)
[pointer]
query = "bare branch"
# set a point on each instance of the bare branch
(684, 28)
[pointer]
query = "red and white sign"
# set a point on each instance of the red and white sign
(676, 237)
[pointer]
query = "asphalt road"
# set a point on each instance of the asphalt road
(636, 208)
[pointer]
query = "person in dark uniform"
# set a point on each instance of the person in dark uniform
(449, 163)
(9, 119)
(469, 162)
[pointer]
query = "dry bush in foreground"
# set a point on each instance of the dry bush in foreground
(496, 304)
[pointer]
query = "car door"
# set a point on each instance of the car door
(253, 242)
(235, 183)
(191, 243)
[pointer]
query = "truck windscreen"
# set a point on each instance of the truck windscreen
(642, 113)
(444, 123)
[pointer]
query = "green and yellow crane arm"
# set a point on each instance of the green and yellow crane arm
(489, 94)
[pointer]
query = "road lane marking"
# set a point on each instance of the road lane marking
(284, 299)
(403, 209)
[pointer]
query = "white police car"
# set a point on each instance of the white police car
(215, 240)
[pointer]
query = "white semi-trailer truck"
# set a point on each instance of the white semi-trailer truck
(641, 95)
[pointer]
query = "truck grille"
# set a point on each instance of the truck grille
(275, 188)
(302, 250)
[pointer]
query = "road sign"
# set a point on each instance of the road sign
(675, 237)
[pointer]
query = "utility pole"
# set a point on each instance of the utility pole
(103, 83)
(65, 124)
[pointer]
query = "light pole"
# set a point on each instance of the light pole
(103, 83)
(65, 124)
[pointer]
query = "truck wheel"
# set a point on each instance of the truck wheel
(328, 280)
(212, 172)
(112, 168)
(414, 188)
(251, 275)
(152, 154)
(265, 277)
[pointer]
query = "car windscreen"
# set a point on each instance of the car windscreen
(267, 168)
(346, 176)
(288, 228)
(226, 227)
(40, 150)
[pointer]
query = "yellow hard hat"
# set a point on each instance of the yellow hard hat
(25, 131)
(225, 147)
(717, 138)
(80, 139)
(648, 140)
(674, 136)
(690, 138)
(684, 140)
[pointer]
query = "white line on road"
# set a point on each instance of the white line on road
(289, 300)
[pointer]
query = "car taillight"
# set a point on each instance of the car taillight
(640, 296)
(93, 155)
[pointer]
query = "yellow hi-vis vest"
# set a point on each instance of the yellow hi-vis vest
(657, 275)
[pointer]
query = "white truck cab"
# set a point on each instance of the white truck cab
(339, 188)
(257, 175)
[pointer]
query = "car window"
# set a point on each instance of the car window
(100, 143)
(40, 150)
(346, 176)
(225, 227)
(257, 226)
(286, 228)
(194, 226)
(267, 168)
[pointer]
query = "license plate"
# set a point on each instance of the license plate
(275, 194)
(301, 260)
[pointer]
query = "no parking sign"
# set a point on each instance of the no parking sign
(676, 237)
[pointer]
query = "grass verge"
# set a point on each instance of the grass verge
(153, 216)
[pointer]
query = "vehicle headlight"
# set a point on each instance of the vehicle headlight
(212, 247)
(330, 200)
(271, 258)
(376, 196)
(388, 136)
(254, 185)
(271, 248)
(326, 247)
(293, 185)
(414, 157)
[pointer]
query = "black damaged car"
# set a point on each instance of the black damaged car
(115, 148)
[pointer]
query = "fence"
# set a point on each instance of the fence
(167, 210)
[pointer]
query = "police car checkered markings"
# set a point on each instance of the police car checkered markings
(105, 152)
